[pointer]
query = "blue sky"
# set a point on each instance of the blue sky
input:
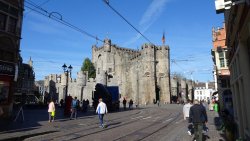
(187, 26)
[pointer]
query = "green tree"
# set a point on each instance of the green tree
(89, 66)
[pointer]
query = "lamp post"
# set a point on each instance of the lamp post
(67, 70)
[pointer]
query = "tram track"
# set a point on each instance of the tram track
(91, 129)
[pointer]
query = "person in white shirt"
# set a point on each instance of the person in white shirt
(101, 110)
(51, 111)
(186, 109)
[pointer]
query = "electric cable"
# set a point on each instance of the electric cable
(120, 15)
(39, 10)
(39, 5)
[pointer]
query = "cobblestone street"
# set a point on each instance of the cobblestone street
(145, 123)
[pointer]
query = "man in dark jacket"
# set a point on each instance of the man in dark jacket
(198, 116)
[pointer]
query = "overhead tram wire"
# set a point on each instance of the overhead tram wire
(39, 5)
(51, 15)
(119, 14)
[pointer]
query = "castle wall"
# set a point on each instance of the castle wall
(139, 74)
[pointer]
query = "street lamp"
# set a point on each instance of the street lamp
(67, 70)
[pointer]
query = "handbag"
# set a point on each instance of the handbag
(53, 113)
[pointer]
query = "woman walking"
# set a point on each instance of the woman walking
(51, 111)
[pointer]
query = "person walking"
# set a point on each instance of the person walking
(74, 108)
(186, 109)
(198, 116)
(130, 104)
(51, 111)
(101, 110)
(124, 103)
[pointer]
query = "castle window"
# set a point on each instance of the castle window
(98, 71)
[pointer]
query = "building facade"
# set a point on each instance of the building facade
(11, 15)
(25, 86)
(221, 70)
(238, 40)
(203, 91)
(237, 20)
(142, 76)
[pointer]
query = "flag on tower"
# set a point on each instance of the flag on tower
(163, 38)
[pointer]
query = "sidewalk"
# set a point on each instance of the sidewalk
(213, 123)
(212, 135)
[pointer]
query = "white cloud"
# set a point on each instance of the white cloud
(152, 13)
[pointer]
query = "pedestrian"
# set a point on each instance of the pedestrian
(84, 105)
(198, 116)
(74, 108)
(67, 105)
(61, 103)
(78, 104)
(186, 109)
(205, 128)
(87, 102)
(130, 104)
(158, 103)
(124, 103)
(51, 111)
(101, 110)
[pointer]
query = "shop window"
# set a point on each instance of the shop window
(12, 25)
(4, 91)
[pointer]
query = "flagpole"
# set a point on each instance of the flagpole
(163, 39)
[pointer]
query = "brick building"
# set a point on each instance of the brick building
(221, 71)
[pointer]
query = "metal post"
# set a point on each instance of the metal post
(66, 88)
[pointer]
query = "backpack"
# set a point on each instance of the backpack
(74, 103)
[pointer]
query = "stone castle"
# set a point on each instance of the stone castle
(142, 75)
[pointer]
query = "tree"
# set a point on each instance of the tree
(89, 66)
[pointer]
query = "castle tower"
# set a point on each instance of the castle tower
(162, 73)
(107, 45)
(147, 81)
